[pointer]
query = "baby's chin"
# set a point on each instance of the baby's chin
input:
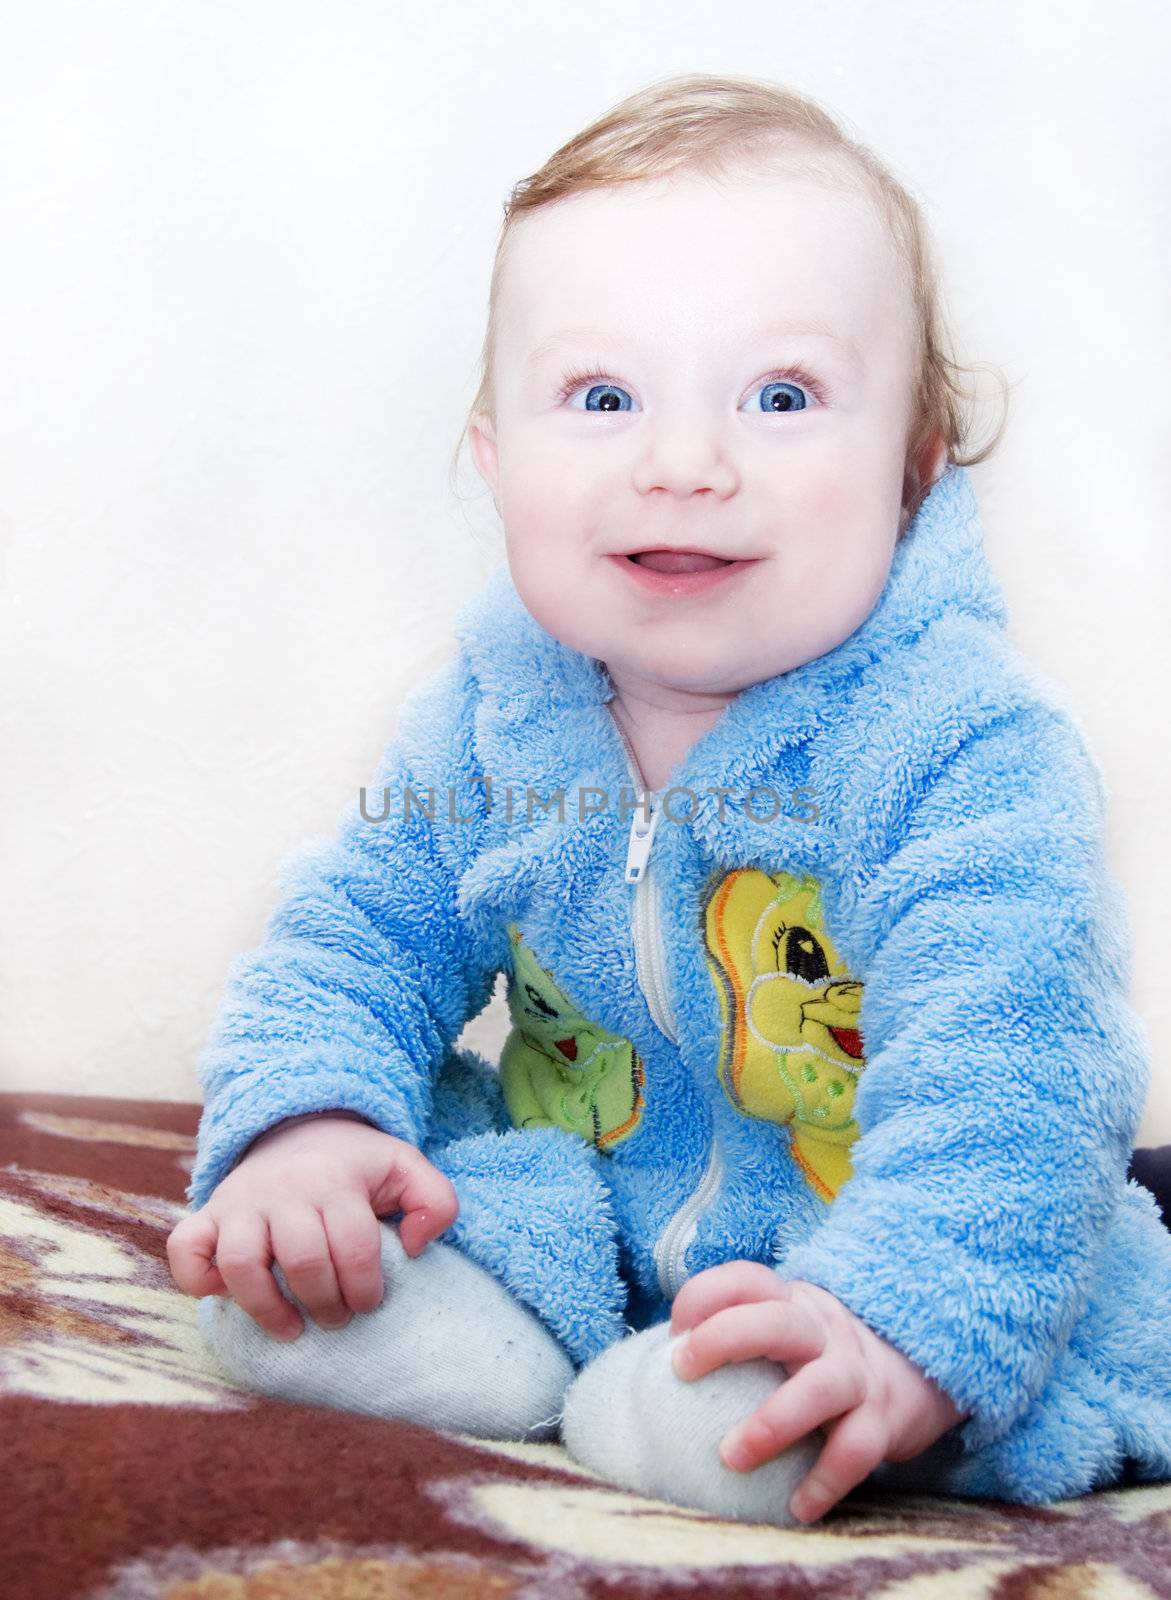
(691, 677)
(691, 664)
(677, 660)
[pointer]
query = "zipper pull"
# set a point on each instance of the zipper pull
(638, 850)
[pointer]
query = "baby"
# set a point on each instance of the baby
(805, 1161)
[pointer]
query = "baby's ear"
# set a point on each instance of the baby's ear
(923, 467)
(482, 442)
(927, 464)
(937, 461)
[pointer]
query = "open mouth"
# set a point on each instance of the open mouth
(680, 574)
(677, 561)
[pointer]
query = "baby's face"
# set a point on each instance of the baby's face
(748, 352)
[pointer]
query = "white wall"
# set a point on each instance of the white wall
(244, 277)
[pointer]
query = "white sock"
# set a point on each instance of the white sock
(448, 1347)
(629, 1418)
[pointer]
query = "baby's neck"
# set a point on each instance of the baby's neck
(661, 736)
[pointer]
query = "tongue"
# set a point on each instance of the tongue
(678, 561)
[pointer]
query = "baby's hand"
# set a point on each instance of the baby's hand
(308, 1194)
(886, 1408)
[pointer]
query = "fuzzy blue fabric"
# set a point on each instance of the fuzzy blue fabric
(878, 1039)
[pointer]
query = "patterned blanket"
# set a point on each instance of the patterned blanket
(129, 1467)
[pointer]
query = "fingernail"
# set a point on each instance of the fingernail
(735, 1453)
(682, 1360)
(287, 1335)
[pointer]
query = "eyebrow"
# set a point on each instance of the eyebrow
(773, 331)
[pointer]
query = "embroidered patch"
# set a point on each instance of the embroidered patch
(559, 1069)
(790, 1050)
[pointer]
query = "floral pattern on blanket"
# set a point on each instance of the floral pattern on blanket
(181, 1485)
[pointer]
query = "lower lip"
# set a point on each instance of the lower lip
(679, 583)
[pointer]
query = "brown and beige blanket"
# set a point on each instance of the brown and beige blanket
(130, 1468)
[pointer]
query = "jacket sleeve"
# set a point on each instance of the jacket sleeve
(1005, 1071)
(367, 972)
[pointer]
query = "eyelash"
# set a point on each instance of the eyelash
(573, 380)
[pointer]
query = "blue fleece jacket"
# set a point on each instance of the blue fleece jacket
(850, 999)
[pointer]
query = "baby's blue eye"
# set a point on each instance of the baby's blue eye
(777, 395)
(609, 397)
(781, 396)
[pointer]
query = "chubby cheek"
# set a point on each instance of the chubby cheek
(827, 504)
(554, 485)
(835, 547)
(850, 580)
(846, 503)
(550, 534)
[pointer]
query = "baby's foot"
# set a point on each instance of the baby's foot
(629, 1418)
(449, 1347)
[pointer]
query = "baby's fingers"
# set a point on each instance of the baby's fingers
(819, 1392)
(857, 1444)
(245, 1263)
(425, 1196)
(191, 1248)
(729, 1284)
(788, 1334)
(418, 1228)
(355, 1246)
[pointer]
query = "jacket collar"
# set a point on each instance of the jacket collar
(542, 717)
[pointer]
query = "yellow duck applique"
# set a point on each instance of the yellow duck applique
(790, 1050)
(557, 1068)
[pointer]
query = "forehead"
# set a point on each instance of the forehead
(705, 258)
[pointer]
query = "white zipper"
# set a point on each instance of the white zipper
(642, 829)
(674, 1241)
(647, 922)
(638, 850)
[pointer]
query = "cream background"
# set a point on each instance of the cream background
(244, 279)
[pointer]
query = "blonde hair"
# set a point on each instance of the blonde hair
(699, 122)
